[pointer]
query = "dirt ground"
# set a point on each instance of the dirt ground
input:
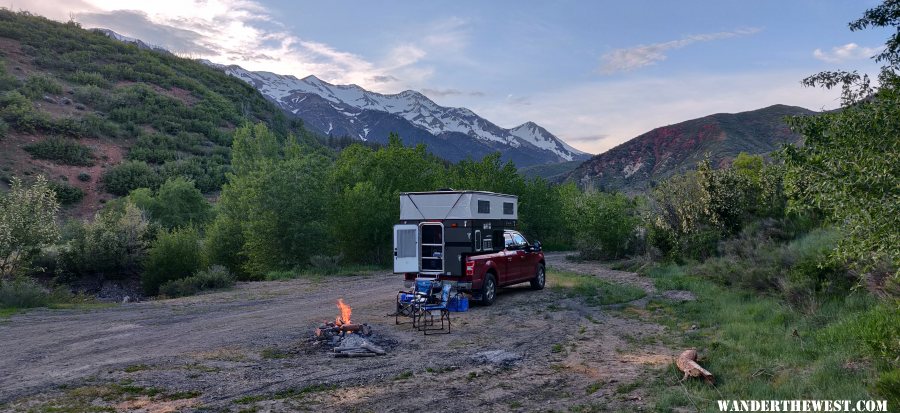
(249, 349)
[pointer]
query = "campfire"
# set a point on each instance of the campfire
(346, 338)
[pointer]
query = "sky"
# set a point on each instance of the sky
(594, 73)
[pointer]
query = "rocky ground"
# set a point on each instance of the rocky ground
(250, 349)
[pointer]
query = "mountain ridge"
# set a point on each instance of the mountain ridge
(655, 155)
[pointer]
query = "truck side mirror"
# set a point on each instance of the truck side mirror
(536, 246)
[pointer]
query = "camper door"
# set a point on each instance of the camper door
(406, 248)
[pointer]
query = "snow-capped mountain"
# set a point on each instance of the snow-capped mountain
(349, 110)
(452, 133)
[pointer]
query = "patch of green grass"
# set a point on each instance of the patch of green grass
(627, 387)
(273, 353)
(593, 387)
(136, 367)
(515, 404)
(103, 397)
(249, 399)
(404, 375)
(557, 348)
(8, 312)
(759, 347)
(283, 394)
(593, 290)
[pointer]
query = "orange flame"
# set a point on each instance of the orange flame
(344, 318)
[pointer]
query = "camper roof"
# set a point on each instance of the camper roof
(441, 205)
(451, 191)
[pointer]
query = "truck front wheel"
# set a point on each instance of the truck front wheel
(488, 290)
(540, 278)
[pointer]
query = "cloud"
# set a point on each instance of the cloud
(140, 27)
(847, 52)
(244, 32)
(587, 139)
(629, 59)
(451, 92)
(383, 79)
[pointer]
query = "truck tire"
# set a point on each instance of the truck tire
(489, 290)
(540, 278)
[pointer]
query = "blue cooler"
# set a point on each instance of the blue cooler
(458, 304)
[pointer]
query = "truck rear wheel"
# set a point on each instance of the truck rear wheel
(540, 278)
(488, 290)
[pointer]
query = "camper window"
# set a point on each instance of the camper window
(508, 208)
(484, 207)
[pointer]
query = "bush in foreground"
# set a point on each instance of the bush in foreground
(212, 278)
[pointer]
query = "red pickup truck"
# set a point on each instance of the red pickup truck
(518, 262)
(465, 238)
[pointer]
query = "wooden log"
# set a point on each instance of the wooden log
(373, 348)
(350, 355)
(687, 362)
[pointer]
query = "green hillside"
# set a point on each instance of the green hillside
(554, 172)
(99, 116)
(652, 157)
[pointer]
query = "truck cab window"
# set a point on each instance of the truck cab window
(508, 241)
(519, 240)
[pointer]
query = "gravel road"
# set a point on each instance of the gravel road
(250, 348)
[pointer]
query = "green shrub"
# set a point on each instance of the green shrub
(21, 114)
(62, 151)
(123, 178)
(36, 86)
(67, 194)
(214, 277)
(174, 254)
(7, 80)
(177, 203)
(90, 95)
(89, 78)
(84, 176)
(4, 128)
(22, 292)
(113, 244)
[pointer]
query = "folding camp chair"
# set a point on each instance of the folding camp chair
(409, 301)
(423, 316)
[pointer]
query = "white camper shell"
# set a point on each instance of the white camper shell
(437, 230)
(467, 205)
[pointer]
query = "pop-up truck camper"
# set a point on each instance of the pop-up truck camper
(466, 238)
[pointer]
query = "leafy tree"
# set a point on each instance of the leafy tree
(603, 225)
(847, 167)
(27, 223)
(368, 184)
(177, 203)
(278, 198)
(173, 255)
